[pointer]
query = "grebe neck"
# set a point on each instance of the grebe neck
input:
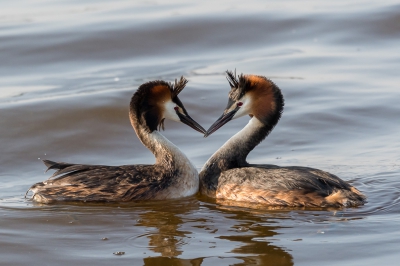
(166, 153)
(234, 152)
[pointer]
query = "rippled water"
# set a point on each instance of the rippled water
(69, 68)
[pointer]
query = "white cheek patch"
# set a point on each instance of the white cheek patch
(169, 111)
(245, 109)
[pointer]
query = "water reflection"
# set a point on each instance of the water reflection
(167, 239)
(255, 237)
(162, 222)
(240, 236)
(172, 261)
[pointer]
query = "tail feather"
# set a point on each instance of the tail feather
(71, 168)
(55, 165)
(62, 168)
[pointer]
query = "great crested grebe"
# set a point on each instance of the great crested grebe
(228, 176)
(172, 176)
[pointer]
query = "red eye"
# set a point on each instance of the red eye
(176, 108)
(239, 104)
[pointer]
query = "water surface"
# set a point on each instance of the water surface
(67, 74)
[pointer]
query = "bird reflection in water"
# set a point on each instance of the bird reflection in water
(165, 236)
(253, 230)
(233, 231)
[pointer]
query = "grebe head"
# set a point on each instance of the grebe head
(251, 95)
(155, 101)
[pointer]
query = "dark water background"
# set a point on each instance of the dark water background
(69, 68)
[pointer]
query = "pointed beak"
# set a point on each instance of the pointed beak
(222, 120)
(186, 119)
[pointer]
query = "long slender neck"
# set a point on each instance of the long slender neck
(234, 152)
(166, 153)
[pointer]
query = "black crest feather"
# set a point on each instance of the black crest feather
(178, 86)
(231, 77)
(239, 85)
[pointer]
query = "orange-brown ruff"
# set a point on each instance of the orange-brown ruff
(228, 176)
(172, 176)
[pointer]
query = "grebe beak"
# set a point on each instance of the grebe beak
(222, 120)
(186, 119)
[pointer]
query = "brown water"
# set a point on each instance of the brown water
(69, 68)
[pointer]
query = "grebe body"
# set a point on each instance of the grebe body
(172, 176)
(228, 176)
